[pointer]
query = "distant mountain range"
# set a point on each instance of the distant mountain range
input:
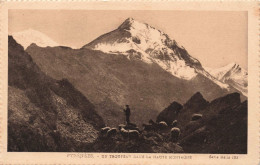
(135, 64)
(233, 75)
(27, 37)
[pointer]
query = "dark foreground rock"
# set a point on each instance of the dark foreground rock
(170, 113)
(216, 127)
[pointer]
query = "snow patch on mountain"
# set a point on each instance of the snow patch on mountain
(27, 37)
(144, 42)
(219, 73)
(233, 75)
(212, 78)
(115, 47)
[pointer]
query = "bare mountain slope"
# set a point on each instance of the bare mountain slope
(45, 114)
(111, 81)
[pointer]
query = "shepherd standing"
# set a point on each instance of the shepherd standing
(127, 114)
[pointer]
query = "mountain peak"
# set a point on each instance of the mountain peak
(137, 40)
(170, 113)
(130, 22)
(196, 102)
(197, 95)
(130, 19)
(233, 74)
(232, 65)
(29, 36)
(220, 72)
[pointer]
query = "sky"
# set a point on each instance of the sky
(215, 38)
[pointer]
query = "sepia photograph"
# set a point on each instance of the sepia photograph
(128, 81)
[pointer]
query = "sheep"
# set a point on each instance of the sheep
(196, 117)
(175, 133)
(111, 132)
(104, 130)
(174, 123)
(124, 132)
(121, 126)
(131, 134)
(135, 128)
(163, 125)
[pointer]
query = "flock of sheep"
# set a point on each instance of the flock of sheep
(131, 131)
(153, 126)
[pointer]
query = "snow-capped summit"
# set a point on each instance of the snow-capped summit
(141, 41)
(233, 75)
(128, 23)
(220, 72)
(27, 37)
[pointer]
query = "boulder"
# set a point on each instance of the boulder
(170, 113)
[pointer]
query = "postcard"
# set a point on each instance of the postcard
(129, 82)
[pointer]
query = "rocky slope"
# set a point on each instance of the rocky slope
(222, 127)
(45, 114)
